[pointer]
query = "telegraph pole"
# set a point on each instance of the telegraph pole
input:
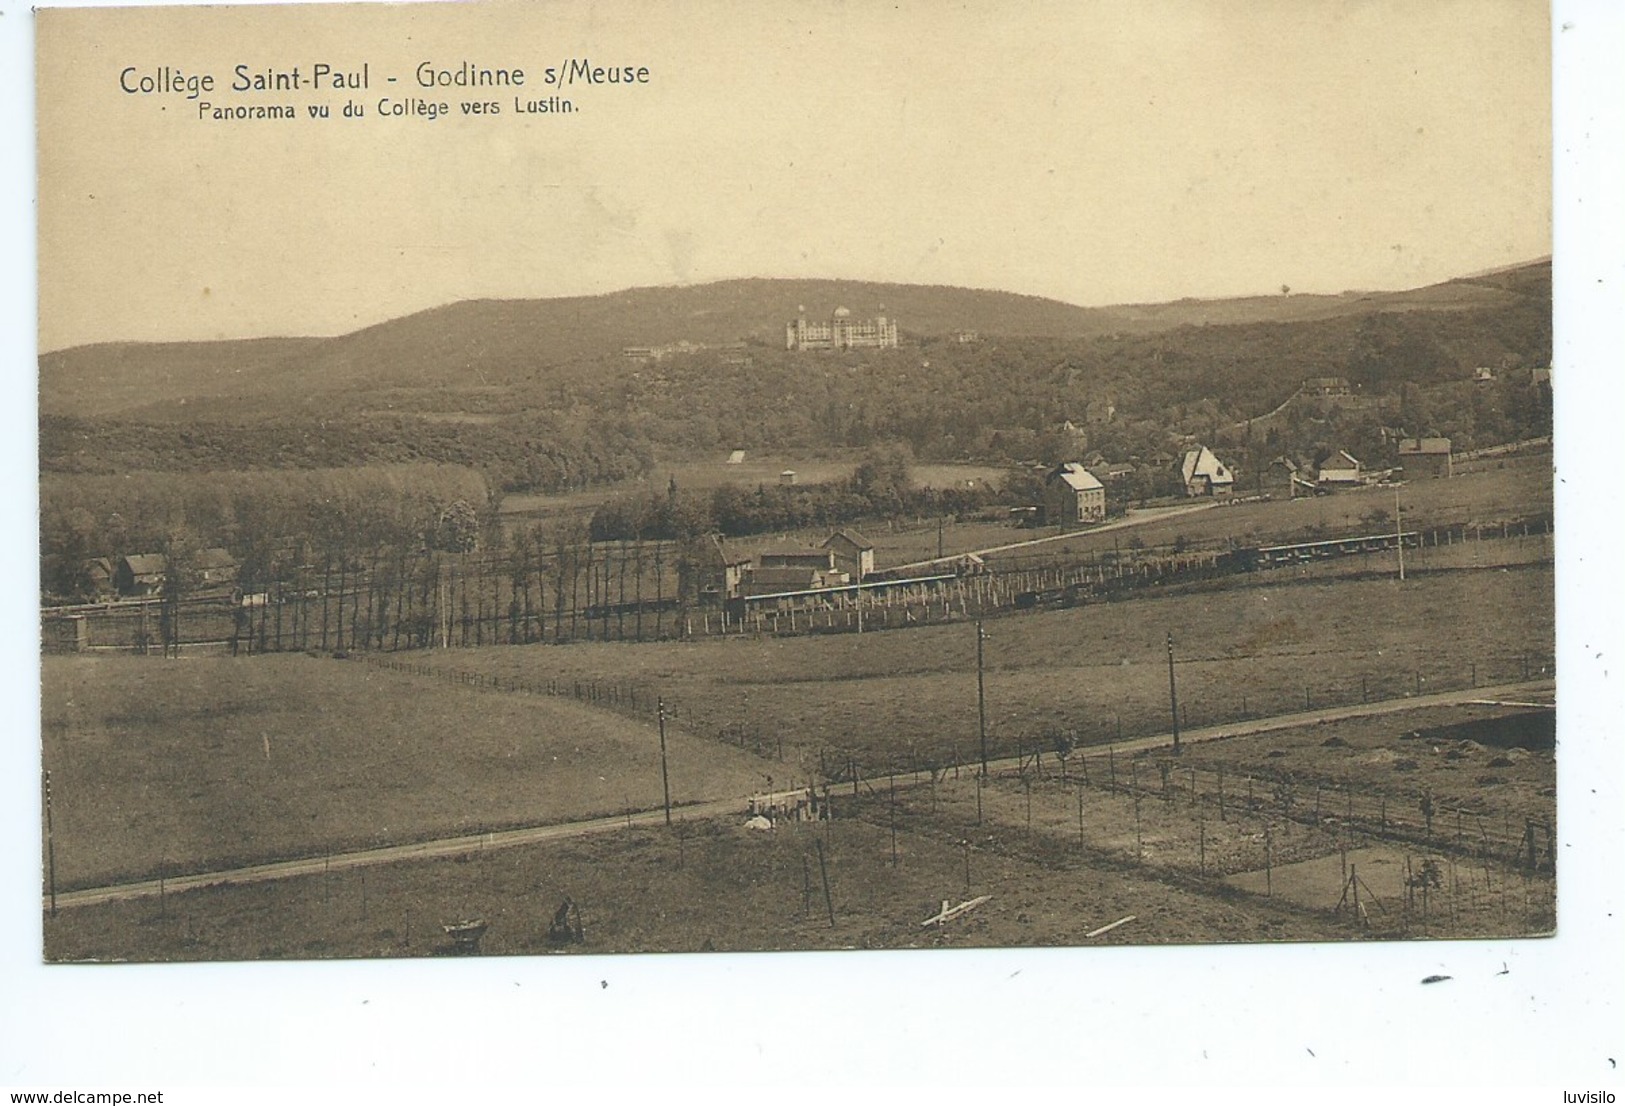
(665, 779)
(50, 843)
(1399, 535)
(1173, 695)
(981, 695)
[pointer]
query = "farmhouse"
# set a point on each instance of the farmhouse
(792, 568)
(1327, 386)
(1205, 474)
(1109, 473)
(142, 574)
(854, 554)
(841, 332)
(139, 574)
(1073, 495)
(711, 573)
(1280, 477)
(1425, 457)
(797, 556)
(1341, 470)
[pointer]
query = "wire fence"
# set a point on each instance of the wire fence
(631, 594)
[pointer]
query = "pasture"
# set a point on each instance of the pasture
(704, 475)
(199, 763)
(1518, 488)
(1269, 643)
(1060, 859)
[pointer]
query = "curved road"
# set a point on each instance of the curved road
(1137, 517)
(530, 835)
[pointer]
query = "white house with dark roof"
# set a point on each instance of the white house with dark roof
(1204, 474)
(1341, 470)
(1073, 495)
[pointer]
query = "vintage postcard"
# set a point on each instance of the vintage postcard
(603, 478)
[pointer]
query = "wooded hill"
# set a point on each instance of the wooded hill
(538, 395)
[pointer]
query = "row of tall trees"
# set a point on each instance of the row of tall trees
(270, 521)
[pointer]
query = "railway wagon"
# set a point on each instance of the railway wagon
(1273, 556)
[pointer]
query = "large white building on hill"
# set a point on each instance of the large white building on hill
(841, 332)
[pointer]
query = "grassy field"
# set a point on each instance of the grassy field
(717, 887)
(1055, 869)
(208, 762)
(205, 762)
(703, 475)
(1520, 488)
(1264, 645)
(1485, 493)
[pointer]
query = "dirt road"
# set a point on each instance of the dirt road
(1539, 691)
(1134, 518)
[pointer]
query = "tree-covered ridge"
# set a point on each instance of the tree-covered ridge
(414, 398)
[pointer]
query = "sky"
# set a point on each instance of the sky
(1095, 153)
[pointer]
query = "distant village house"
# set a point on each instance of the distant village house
(1341, 470)
(143, 574)
(1425, 457)
(1204, 474)
(712, 573)
(1283, 479)
(854, 554)
(1327, 386)
(792, 569)
(1073, 495)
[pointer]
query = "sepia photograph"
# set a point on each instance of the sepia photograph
(1050, 504)
(528, 484)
